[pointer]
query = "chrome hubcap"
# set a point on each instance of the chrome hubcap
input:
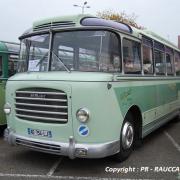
(127, 135)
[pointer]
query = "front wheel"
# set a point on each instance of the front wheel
(2, 128)
(127, 138)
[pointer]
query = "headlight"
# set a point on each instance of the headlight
(7, 108)
(82, 115)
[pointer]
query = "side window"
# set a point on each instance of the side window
(159, 58)
(169, 61)
(110, 53)
(1, 68)
(177, 63)
(12, 64)
(11, 69)
(131, 57)
(147, 56)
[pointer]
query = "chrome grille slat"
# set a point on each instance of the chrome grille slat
(39, 146)
(50, 93)
(44, 112)
(42, 99)
(41, 105)
(38, 143)
(43, 118)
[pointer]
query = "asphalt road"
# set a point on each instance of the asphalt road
(159, 149)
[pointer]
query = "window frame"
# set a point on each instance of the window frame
(27, 49)
(175, 72)
(152, 51)
(164, 59)
(172, 60)
(117, 34)
(140, 53)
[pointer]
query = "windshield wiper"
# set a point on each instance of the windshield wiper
(42, 59)
(67, 69)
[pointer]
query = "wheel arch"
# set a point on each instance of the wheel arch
(137, 118)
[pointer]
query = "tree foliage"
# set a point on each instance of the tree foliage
(120, 17)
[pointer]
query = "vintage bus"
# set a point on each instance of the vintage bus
(9, 52)
(90, 87)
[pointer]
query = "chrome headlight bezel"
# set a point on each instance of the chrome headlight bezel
(7, 108)
(83, 115)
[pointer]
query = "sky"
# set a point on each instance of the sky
(160, 16)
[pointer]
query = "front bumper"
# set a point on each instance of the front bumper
(71, 149)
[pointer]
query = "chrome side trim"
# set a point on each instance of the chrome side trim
(147, 129)
(70, 148)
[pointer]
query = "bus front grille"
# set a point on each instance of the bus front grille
(41, 105)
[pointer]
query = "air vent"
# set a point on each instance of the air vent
(54, 25)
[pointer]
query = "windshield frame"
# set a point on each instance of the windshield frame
(27, 50)
(51, 33)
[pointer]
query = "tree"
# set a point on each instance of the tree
(120, 17)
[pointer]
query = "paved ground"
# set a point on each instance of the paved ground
(160, 149)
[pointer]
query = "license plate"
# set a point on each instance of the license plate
(42, 133)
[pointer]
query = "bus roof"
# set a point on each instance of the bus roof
(77, 20)
(9, 47)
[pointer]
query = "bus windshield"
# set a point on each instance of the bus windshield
(86, 51)
(34, 53)
(89, 51)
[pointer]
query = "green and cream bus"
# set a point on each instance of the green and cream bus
(9, 52)
(90, 88)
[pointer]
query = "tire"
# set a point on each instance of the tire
(127, 138)
(178, 117)
(2, 128)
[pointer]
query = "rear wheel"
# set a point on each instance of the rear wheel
(127, 138)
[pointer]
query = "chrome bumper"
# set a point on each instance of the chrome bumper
(71, 149)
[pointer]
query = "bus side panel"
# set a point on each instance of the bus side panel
(139, 93)
(167, 95)
(154, 98)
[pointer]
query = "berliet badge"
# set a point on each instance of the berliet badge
(36, 95)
